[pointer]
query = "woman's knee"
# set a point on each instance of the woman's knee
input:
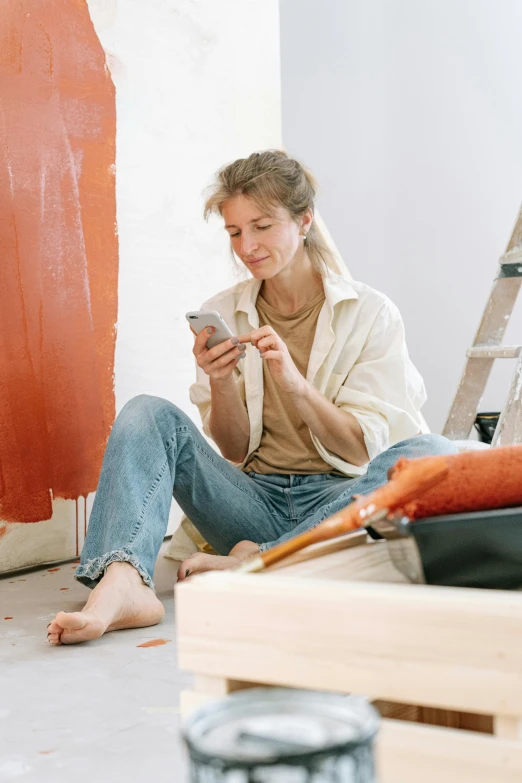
(435, 445)
(145, 411)
(144, 405)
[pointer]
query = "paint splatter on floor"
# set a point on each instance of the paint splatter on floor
(45, 752)
(52, 570)
(64, 588)
(154, 643)
(8, 618)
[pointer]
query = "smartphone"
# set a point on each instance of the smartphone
(200, 319)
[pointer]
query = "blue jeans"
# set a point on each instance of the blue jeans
(155, 451)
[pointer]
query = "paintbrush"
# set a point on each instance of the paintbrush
(410, 479)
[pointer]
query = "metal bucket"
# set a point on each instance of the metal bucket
(486, 424)
(280, 735)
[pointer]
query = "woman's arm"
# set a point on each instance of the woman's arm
(228, 424)
(339, 431)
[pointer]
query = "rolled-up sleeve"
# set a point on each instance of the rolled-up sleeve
(383, 390)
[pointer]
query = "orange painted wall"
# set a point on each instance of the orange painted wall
(58, 255)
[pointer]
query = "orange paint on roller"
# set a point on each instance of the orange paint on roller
(59, 251)
(476, 480)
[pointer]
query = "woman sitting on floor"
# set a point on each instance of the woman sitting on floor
(311, 403)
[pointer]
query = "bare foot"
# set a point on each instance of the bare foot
(120, 600)
(198, 563)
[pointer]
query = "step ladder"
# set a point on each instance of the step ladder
(486, 348)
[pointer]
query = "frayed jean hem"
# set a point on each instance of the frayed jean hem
(92, 571)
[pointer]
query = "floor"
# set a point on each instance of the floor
(103, 711)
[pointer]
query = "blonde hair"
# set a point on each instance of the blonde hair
(272, 178)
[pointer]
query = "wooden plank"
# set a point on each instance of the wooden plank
(411, 752)
(439, 647)
(347, 557)
(495, 352)
(507, 727)
(435, 716)
(217, 687)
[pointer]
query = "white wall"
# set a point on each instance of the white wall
(195, 89)
(410, 114)
(197, 85)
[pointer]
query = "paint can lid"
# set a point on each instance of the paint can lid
(270, 725)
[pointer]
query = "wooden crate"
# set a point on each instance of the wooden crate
(436, 654)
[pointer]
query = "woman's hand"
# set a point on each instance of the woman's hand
(274, 351)
(220, 361)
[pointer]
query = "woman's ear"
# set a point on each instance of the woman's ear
(306, 221)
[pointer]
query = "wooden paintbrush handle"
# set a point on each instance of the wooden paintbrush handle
(324, 531)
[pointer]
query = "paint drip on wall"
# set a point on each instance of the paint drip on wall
(59, 255)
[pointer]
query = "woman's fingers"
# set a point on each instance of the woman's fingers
(257, 334)
(226, 358)
(279, 355)
(224, 363)
(263, 338)
(224, 351)
(200, 343)
(270, 341)
(223, 370)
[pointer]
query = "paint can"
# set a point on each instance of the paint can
(282, 735)
(486, 424)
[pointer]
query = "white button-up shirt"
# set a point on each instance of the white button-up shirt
(359, 361)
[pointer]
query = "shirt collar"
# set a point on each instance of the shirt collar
(337, 288)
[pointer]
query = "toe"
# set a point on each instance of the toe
(187, 567)
(54, 632)
(54, 638)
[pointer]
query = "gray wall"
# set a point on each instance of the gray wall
(410, 115)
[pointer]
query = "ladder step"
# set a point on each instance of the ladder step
(494, 352)
(513, 256)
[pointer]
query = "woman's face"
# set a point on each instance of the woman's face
(265, 244)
